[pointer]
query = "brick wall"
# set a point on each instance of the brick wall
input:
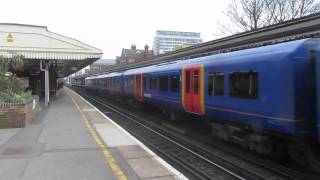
(18, 115)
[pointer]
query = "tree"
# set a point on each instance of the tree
(246, 15)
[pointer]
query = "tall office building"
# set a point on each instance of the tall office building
(166, 41)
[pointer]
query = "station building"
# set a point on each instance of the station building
(46, 56)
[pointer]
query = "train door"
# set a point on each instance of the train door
(138, 87)
(192, 89)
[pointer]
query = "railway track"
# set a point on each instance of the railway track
(193, 159)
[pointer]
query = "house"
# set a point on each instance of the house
(133, 55)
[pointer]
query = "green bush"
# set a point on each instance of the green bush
(18, 98)
(11, 88)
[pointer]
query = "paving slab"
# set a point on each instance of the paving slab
(12, 169)
(68, 165)
(163, 178)
(133, 152)
(148, 168)
(113, 136)
(6, 134)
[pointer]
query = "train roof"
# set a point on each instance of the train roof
(285, 49)
(104, 75)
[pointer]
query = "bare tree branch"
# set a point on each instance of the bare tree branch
(248, 15)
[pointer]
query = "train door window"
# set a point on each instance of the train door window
(131, 82)
(127, 79)
(150, 83)
(188, 82)
(154, 84)
(163, 83)
(216, 84)
(105, 83)
(244, 84)
(138, 82)
(174, 83)
(196, 82)
(144, 79)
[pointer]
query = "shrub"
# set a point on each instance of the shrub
(11, 88)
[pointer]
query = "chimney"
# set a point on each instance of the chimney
(133, 47)
(146, 51)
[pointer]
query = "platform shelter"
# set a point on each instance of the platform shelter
(45, 56)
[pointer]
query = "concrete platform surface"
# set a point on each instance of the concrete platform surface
(73, 140)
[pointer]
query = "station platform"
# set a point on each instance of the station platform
(71, 139)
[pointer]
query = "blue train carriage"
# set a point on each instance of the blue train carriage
(114, 84)
(265, 98)
(247, 96)
(91, 83)
(129, 78)
(262, 91)
(162, 86)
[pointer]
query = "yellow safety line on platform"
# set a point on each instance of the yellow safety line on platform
(110, 160)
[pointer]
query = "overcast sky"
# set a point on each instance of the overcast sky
(115, 24)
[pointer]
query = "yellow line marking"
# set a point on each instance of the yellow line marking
(110, 160)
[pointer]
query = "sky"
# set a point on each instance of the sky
(111, 25)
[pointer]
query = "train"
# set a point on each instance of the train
(264, 98)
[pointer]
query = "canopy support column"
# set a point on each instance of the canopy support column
(46, 82)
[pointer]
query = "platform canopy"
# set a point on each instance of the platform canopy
(35, 44)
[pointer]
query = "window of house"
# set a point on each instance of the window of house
(244, 84)
(216, 84)
(163, 83)
(174, 83)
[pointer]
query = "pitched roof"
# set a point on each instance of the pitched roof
(137, 54)
(36, 42)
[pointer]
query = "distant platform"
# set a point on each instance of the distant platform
(71, 139)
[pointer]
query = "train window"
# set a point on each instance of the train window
(163, 83)
(150, 83)
(154, 84)
(174, 83)
(188, 82)
(244, 84)
(216, 84)
(196, 82)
